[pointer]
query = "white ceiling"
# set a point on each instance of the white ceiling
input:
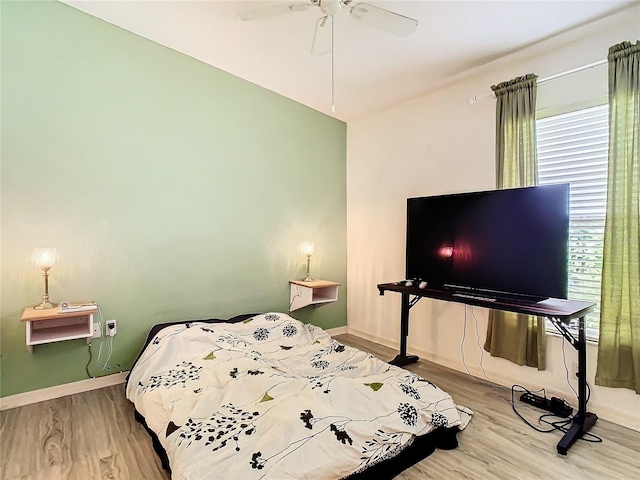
(373, 69)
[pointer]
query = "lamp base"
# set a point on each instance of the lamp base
(308, 279)
(45, 306)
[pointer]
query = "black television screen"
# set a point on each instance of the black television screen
(509, 243)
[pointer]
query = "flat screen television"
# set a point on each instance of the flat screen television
(509, 244)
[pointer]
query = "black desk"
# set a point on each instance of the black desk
(559, 312)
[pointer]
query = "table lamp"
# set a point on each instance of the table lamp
(45, 258)
(307, 249)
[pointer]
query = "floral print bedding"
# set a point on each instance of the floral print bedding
(271, 397)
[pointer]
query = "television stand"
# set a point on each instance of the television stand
(559, 312)
(404, 360)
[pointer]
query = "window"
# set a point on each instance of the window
(572, 148)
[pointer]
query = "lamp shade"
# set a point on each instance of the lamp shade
(307, 248)
(44, 258)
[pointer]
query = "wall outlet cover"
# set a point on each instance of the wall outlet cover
(110, 328)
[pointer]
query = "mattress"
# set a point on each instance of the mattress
(266, 396)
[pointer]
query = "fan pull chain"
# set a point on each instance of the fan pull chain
(333, 53)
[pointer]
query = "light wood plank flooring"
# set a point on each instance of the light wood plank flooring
(93, 435)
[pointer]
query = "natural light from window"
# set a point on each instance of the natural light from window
(573, 148)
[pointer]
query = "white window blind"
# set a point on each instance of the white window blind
(573, 148)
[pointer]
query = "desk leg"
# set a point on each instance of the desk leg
(583, 420)
(403, 359)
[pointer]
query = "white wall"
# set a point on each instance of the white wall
(438, 144)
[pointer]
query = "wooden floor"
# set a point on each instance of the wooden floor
(93, 435)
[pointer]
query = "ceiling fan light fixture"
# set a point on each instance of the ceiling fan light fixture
(330, 7)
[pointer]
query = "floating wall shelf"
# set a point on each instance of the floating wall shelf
(47, 326)
(318, 292)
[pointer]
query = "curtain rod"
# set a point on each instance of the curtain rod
(477, 98)
(572, 71)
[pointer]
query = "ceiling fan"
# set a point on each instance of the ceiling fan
(365, 13)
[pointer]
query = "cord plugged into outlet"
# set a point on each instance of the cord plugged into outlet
(111, 328)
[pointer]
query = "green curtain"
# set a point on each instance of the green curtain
(619, 345)
(518, 338)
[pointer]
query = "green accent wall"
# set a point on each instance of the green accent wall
(171, 189)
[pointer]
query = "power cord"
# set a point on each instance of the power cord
(102, 365)
(294, 297)
(559, 425)
(86, 367)
(562, 425)
(494, 387)
(473, 314)
(102, 351)
(513, 406)
(566, 369)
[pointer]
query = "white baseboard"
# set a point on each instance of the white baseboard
(605, 411)
(373, 338)
(602, 410)
(35, 396)
(337, 331)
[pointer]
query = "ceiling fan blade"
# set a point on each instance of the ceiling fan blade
(272, 10)
(382, 19)
(322, 36)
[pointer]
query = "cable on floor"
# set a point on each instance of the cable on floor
(562, 425)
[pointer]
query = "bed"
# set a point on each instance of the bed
(266, 396)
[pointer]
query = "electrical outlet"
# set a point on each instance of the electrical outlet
(111, 327)
(96, 330)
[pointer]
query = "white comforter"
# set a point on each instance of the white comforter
(274, 398)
